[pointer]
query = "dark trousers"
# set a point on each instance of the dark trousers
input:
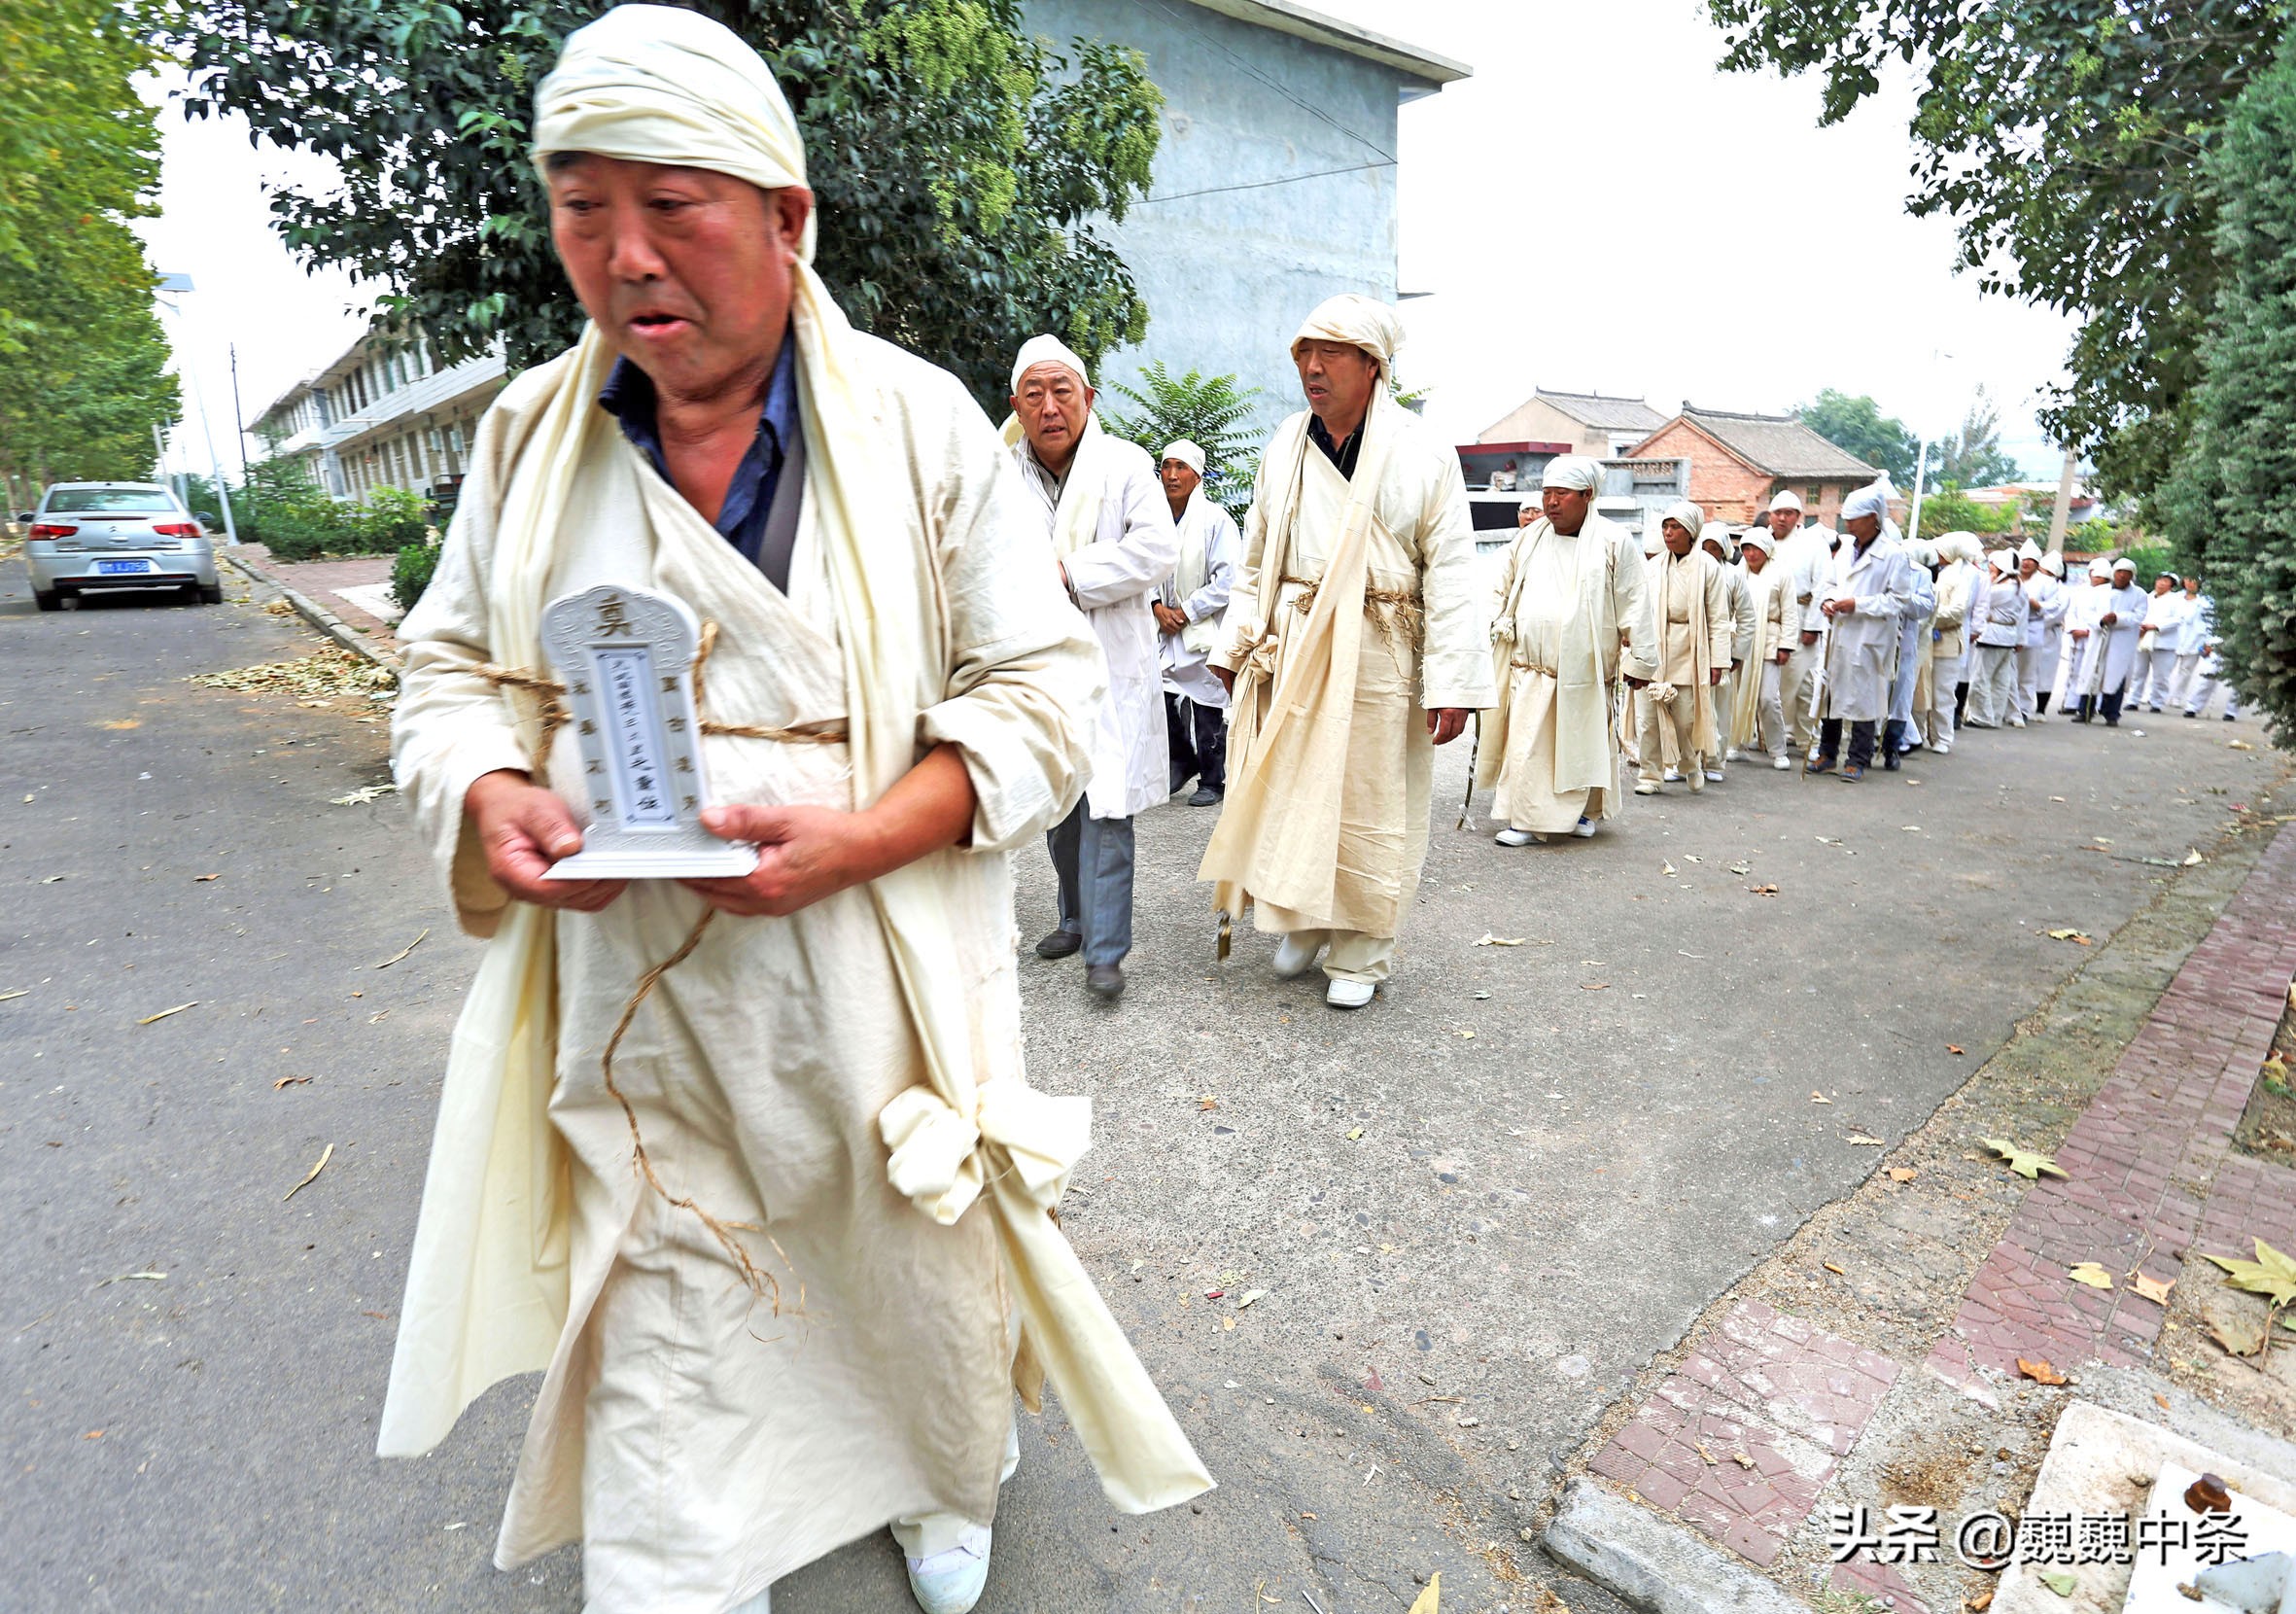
(1199, 736)
(2112, 705)
(1830, 741)
(1093, 858)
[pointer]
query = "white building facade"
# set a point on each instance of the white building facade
(385, 414)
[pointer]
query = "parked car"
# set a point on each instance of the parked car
(89, 535)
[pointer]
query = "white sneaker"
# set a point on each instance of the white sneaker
(1940, 748)
(1643, 787)
(2016, 723)
(1782, 763)
(1731, 755)
(951, 1582)
(1584, 828)
(1714, 776)
(1341, 994)
(1293, 958)
(1672, 776)
(1512, 836)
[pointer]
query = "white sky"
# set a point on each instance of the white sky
(1596, 210)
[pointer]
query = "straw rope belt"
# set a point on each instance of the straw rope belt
(1392, 611)
(553, 714)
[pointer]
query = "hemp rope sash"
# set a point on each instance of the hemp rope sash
(553, 715)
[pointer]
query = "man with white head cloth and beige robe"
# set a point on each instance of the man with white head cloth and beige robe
(1189, 606)
(1758, 719)
(784, 1263)
(1572, 599)
(1357, 641)
(1715, 539)
(1956, 585)
(1803, 556)
(1114, 542)
(1694, 628)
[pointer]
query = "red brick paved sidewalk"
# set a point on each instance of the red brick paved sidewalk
(1741, 1436)
(322, 581)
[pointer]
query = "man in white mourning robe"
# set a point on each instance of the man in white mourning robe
(770, 1263)
(1866, 593)
(2208, 669)
(1574, 615)
(1715, 539)
(2160, 642)
(1761, 720)
(1913, 659)
(2044, 615)
(2000, 633)
(1358, 640)
(1694, 628)
(1955, 587)
(1805, 553)
(2080, 627)
(2108, 657)
(2041, 680)
(1188, 609)
(1114, 544)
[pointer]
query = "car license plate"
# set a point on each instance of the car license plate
(118, 568)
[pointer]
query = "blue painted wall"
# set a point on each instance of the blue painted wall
(1229, 273)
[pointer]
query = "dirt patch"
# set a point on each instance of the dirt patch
(2268, 1126)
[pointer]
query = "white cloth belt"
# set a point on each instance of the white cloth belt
(942, 1161)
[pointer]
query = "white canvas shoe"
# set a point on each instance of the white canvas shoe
(951, 1582)
(1293, 958)
(1643, 787)
(1782, 762)
(1731, 755)
(1342, 995)
(1714, 776)
(1512, 836)
(1672, 776)
(1584, 828)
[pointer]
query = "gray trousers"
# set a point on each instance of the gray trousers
(1093, 861)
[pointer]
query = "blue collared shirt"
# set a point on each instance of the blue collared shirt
(629, 397)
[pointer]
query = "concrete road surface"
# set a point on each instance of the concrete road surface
(1468, 1214)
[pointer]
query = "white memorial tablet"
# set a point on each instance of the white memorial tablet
(626, 658)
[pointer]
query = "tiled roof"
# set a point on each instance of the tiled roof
(1780, 444)
(1608, 415)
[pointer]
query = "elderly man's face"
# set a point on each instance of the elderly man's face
(1179, 478)
(1338, 378)
(1783, 521)
(1864, 528)
(1565, 508)
(2124, 577)
(1053, 403)
(1676, 537)
(688, 273)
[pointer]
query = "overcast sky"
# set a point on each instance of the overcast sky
(1597, 208)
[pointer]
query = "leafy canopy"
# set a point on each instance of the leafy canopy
(956, 160)
(1210, 411)
(2227, 506)
(2066, 139)
(82, 358)
(1858, 425)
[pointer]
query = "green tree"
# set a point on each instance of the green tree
(1210, 411)
(1948, 510)
(2065, 138)
(1973, 457)
(1858, 425)
(2227, 504)
(958, 162)
(83, 360)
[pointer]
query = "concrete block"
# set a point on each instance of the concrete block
(1653, 1565)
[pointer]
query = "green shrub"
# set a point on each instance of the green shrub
(391, 519)
(411, 571)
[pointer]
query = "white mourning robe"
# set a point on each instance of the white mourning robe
(698, 1444)
(2108, 654)
(1551, 746)
(1862, 649)
(1127, 550)
(1203, 578)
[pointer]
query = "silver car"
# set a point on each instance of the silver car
(87, 535)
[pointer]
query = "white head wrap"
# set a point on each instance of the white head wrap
(1186, 452)
(1358, 321)
(2121, 563)
(659, 84)
(2029, 550)
(1531, 502)
(1870, 500)
(2100, 570)
(2053, 563)
(1959, 545)
(2003, 561)
(1785, 499)
(1689, 515)
(1047, 350)
(1922, 551)
(1574, 472)
(1759, 538)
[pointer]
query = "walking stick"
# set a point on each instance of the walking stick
(1473, 755)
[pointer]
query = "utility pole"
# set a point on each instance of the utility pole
(2063, 513)
(190, 372)
(1921, 476)
(238, 424)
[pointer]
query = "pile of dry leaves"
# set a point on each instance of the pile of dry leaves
(331, 671)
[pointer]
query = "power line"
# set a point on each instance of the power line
(1312, 110)
(1264, 184)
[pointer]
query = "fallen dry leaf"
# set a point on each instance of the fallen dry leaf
(1742, 1459)
(362, 797)
(1595, 986)
(1250, 1296)
(2079, 938)
(290, 1081)
(331, 671)
(2161, 1400)
(1836, 1271)
(1955, 1048)
(20, 991)
(1902, 1173)
(2040, 1373)
(2239, 1334)
(1667, 870)
(403, 951)
(201, 878)
(1983, 1600)
(2090, 1274)
(2152, 1289)
(1762, 891)
(2024, 1162)
(1869, 1143)
(1207, 1102)
(325, 1155)
(1430, 1602)
(164, 1013)
(122, 723)
(1817, 1096)
(1490, 940)
(1354, 1134)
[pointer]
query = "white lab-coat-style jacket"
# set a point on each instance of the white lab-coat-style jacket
(1862, 652)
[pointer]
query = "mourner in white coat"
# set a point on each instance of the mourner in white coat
(2056, 598)
(2207, 661)
(1715, 539)
(1777, 624)
(2160, 642)
(1805, 556)
(1113, 539)
(2000, 625)
(2080, 627)
(1913, 655)
(1188, 609)
(1957, 583)
(1691, 604)
(2109, 654)
(1865, 595)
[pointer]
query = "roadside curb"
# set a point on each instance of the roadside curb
(1652, 1565)
(315, 613)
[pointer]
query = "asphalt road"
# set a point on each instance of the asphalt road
(1474, 1208)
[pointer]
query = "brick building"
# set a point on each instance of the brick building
(1598, 427)
(1738, 461)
